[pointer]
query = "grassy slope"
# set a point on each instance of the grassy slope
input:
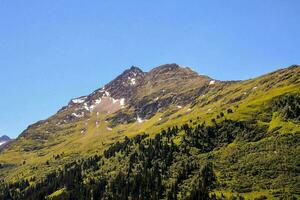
(253, 95)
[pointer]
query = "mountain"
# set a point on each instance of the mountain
(4, 139)
(169, 133)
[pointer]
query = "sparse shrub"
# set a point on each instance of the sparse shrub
(221, 114)
(263, 197)
(229, 111)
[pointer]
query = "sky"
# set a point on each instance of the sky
(54, 50)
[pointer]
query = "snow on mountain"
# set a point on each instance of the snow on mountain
(4, 139)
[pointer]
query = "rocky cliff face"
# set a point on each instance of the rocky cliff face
(158, 90)
(136, 94)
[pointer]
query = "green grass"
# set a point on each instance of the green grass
(58, 195)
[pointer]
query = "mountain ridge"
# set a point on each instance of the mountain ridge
(123, 87)
(162, 68)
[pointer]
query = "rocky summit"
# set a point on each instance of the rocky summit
(4, 139)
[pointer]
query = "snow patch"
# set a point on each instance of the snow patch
(114, 100)
(212, 82)
(102, 89)
(105, 96)
(1, 143)
(179, 107)
(139, 120)
(98, 101)
(92, 108)
(132, 81)
(79, 100)
(78, 115)
(107, 93)
(85, 106)
(122, 102)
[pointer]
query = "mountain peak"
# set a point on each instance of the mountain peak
(135, 68)
(133, 87)
(172, 71)
(132, 71)
(124, 84)
(4, 139)
(168, 67)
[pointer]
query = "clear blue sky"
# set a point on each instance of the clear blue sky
(53, 50)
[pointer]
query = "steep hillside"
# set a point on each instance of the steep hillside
(172, 119)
